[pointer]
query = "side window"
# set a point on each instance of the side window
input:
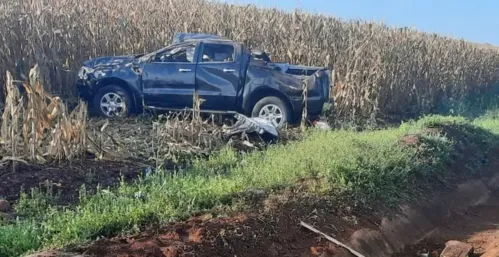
(218, 53)
(184, 53)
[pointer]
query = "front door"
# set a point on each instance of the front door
(168, 80)
(218, 76)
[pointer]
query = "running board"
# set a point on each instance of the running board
(191, 109)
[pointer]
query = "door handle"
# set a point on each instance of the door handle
(184, 70)
(229, 70)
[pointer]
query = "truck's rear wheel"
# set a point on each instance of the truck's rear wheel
(112, 101)
(272, 109)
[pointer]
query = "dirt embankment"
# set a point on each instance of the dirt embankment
(277, 233)
(478, 226)
(468, 212)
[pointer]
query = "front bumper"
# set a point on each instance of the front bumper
(84, 91)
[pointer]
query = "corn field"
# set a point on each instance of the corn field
(35, 125)
(379, 71)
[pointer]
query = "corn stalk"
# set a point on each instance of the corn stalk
(36, 125)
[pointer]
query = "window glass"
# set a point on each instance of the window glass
(218, 53)
(183, 53)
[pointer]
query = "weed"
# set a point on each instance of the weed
(29, 205)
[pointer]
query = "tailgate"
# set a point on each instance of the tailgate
(319, 84)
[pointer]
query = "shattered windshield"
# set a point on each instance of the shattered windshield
(148, 56)
(171, 53)
(184, 53)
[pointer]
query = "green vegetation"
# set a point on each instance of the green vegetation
(366, 166)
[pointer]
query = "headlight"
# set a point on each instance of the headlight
(83, 72)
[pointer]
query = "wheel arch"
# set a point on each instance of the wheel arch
(136, 101)
(261, 93)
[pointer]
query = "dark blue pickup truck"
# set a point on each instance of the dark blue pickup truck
(225, 74)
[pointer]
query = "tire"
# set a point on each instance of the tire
(266, 104)
(119, 102)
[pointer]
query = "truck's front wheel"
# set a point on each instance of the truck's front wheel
(272, 109)
(112, 101)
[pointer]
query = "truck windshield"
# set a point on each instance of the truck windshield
(172, 53)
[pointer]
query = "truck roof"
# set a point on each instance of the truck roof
(184, 37)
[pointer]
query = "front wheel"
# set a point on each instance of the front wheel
(112, 101)
(272, 109)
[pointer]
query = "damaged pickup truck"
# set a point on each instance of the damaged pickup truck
(227, 76)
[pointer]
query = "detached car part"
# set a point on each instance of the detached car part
(252, 125)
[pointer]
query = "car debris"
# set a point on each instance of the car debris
(262, 127)
(252, 125)
(321, 125)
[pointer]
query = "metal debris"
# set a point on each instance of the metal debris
(252, 125)
(322, 125)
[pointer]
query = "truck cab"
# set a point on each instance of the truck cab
(214, 69)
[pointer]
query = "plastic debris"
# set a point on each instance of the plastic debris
(252, 125)
(321, 125)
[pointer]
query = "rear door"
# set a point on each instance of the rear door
(169, 79)
(218, 75)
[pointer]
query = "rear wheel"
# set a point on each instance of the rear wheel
(272, 109)
(112, 101)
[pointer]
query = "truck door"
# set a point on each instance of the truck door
(218, 75)
(169, 79)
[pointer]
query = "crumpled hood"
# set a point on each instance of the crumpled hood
(109, 61)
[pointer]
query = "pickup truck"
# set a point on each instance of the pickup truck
(227, 76)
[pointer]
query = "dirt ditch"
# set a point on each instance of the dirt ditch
(467, 213)
(267, 235)
(478, 226)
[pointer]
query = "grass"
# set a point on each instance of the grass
(366, 166)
